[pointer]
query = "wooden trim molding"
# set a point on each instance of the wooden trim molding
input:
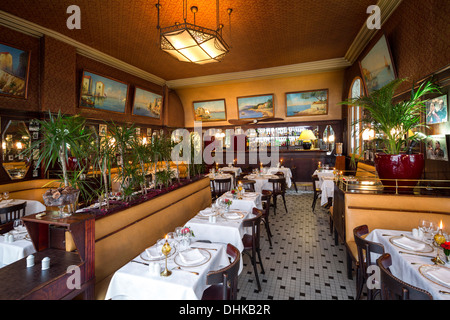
(387, 7)
(35, 30)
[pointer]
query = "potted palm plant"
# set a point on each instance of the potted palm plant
(399, 125)
(61, 136)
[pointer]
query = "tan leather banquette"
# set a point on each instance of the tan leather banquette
(29, 190)
(389, 211)
(122, 236)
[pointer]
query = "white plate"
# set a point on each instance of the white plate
(204, 252)
(427, 248)
(424, 269)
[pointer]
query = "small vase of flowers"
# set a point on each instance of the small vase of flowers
(446, 247)
(228, 203)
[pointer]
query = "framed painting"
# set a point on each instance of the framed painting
(254, 107)
(99, 92)
(437, 110)
(376, 67)
(211, 110)
(436, 148)
(147, 103)
(307, 103)
(14, 69)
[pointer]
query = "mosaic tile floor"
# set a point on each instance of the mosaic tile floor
(303, 263)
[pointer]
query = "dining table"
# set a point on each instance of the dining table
(412, 261)
(286, 171)
(32, 207)
(325, 184)
(21, 247)
(236, 170)
(261, 181)
(138, 280)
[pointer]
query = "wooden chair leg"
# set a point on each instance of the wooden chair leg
(284, 200)
(260, 261)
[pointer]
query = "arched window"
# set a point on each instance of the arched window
(354, 117)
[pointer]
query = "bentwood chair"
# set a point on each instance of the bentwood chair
(233, 174)
(364, 250)
(9, 214)
(220, 186)
(223, 282)
(278, 189)
(248, 185)
(316, 190)
(265, 199)
(252, 244)
(392, 288)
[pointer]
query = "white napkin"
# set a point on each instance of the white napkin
(19, 230)
(191, 257)
(207, 212)
(153, 252)
(441, 275)
(409, 243)
(232, 215)
(6, 203)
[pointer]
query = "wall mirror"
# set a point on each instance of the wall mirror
(329, 138)
(15, 139)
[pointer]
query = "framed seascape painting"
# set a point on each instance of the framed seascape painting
(436, 148)
(99, 92)
(14, 68)
(376, 67)
(147, 104)
(307, 103)
(254, 107)
(437, 110)
(212, 110)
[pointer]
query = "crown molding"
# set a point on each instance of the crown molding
(261, 74)
(35, 30)
(387, 7)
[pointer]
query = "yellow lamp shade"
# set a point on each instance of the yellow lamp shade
(307, 135)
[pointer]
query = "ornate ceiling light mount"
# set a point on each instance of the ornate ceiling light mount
(188, 42)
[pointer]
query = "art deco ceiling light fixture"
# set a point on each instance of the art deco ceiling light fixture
(191, 43)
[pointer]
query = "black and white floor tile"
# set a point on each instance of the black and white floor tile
(303, 263)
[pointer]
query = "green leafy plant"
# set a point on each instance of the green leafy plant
(60, 136)
(395, 120)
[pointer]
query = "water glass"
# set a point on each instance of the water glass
(6, 195)
(17, 223)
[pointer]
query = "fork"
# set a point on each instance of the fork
(179, 268)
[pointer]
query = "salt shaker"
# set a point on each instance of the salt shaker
(45, 263)
(415, 233)
(30, 261)
(157, 269)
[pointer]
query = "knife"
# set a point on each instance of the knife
(140, 262)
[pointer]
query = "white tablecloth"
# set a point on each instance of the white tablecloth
(287, 174)
(135, 282)
(11, 252)
(326, 184)
(262, 181)
(249, 201)
(223, 230)
(237, 171)
(32, 207)
(401, 263)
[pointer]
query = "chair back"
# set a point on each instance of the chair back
(248, 185)
(11, 213)
(365, 247)
(278, 185)
(220, 186)
(254, 224)
(393, 288)
(228, 276)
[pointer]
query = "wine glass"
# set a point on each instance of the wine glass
(17, 223)
(6, 195)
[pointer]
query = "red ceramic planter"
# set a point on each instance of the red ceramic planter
(399, 166)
